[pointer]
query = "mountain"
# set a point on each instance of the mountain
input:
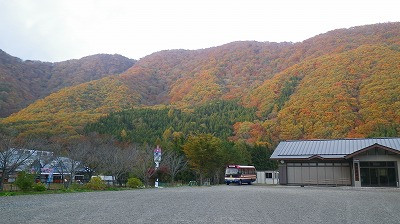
(344, 83)
(351, 94)
(23, 82)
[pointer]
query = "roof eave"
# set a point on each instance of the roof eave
(311, 157)
(371, 147)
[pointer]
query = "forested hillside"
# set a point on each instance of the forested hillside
(344, 83)
(83, 103)
(149, 124)
(351, 94)
(23, 82)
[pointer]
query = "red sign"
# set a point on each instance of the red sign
(157, 150)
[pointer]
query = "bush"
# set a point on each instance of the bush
(96, 184)
(76, 186)
(39, 187)
(134, 183)
(25, 181)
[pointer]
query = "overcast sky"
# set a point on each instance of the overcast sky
(57, 30)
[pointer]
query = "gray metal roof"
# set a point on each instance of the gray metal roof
(45, 158)
(335, 148)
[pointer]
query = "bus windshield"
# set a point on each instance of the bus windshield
(231, 171)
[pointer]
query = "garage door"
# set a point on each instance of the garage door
(318, 173)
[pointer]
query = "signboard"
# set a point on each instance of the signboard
(356, 174)
(50, 178)
(157, 154)
(46, 170)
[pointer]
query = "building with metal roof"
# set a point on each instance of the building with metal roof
(355, 162)
(45, 164)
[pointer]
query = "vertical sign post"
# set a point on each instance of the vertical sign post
(356, 174)
(50, 171)
(157, 160)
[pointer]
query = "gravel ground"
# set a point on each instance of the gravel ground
(217, 204)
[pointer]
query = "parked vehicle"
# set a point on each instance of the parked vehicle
(240, 174)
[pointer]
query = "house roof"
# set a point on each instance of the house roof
(42, 160)
(331, 149)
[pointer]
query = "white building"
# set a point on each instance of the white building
(267, 177)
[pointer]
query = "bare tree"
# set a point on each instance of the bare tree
(118, 160)
(94, 158)
(12, 156)
(42, 157)
(175, 162)
(69, 155)
(144, 167)
(59, 165)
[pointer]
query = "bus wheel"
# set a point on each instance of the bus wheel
(227, 183)
(250, 183)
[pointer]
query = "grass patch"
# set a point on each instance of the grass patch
(59, 191)
(76, 188)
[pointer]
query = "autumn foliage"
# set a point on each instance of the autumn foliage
(344, 83)
(23, 82)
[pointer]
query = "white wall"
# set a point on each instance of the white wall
(261, 177)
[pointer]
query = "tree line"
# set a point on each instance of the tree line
(142, 125)
(195, 157)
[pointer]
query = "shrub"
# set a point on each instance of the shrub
(76, 186)
(134, 183)
(39, 187)
(25, 181)
(96, 184)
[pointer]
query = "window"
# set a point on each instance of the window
(230, 171)
(377, 164)
(390, 164)
(268, 175)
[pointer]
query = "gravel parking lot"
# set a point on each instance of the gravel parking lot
(217, 204)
